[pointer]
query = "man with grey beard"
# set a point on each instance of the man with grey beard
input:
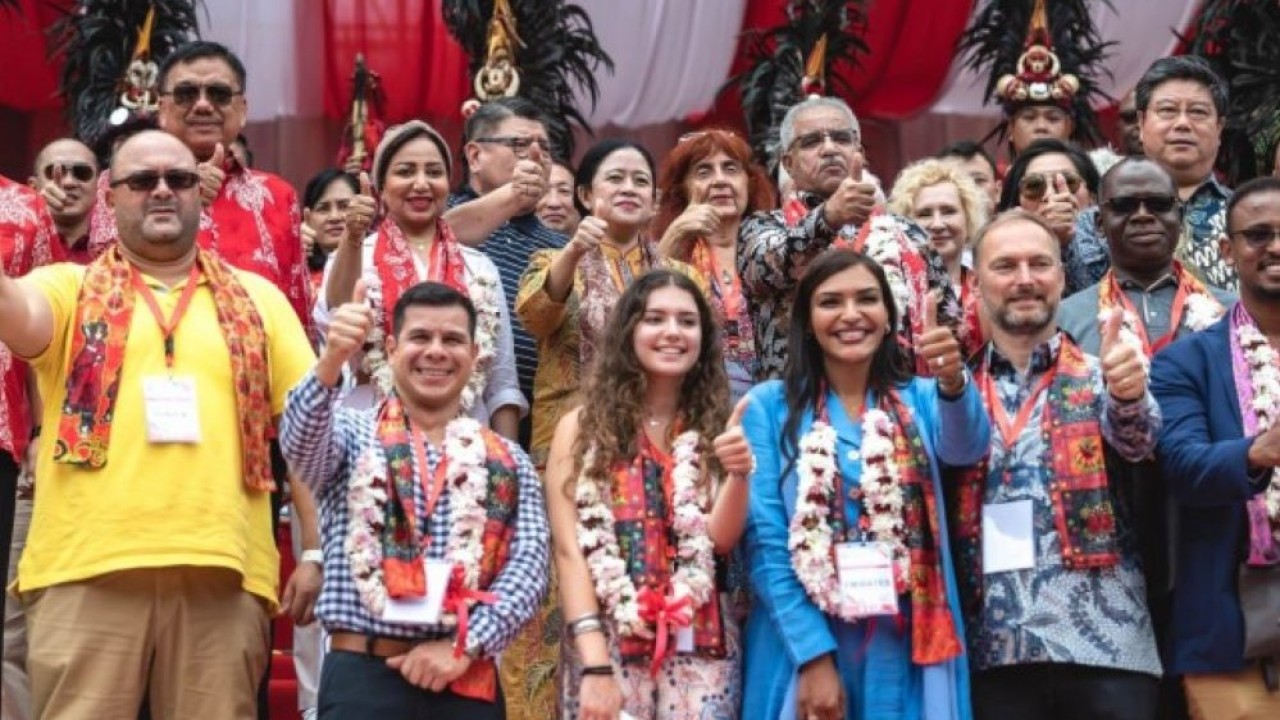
(1050, 578)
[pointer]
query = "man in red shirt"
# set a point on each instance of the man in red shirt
(65, 175)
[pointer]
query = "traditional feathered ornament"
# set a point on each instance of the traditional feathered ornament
(1239, 39)
(364, 117)
(113, 49)
(1041, 52)
(537, 49)
(795, 60)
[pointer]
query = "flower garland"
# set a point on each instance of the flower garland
(482, 291)
(882, 245)
(694, 574)
(367, 495)
(1264, 374)
(1201, 310)
(811, 538)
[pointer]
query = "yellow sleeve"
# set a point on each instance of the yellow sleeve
(540, 315)
(60, 285)
(289, 353)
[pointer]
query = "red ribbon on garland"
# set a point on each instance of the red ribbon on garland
(663, 611)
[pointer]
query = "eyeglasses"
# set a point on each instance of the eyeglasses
(518, 145)
(82, 172)
(148, 180)
(187, 94)
(811, 140)
(1034, 186)
(1128, 204)
(1258, 237)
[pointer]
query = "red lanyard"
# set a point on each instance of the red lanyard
(433, 489)
(1011, 432)
(168, 327)
(730, 294)
(1140, 328)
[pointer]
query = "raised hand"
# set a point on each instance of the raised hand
(939, 348)
(731, 446)
(212, 175)
(591, 231)
(360, 211)
(348, 330)
(699, 220)
(529, 180)
(851, 203)
(1124, 367)
(1059, 209)
(54, 196)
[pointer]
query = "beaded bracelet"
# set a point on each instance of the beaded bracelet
(605, 670)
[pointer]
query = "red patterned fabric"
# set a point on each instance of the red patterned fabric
(28, 240)
(393, 261)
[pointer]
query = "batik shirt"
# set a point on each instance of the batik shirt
(322, 442)
(1050, 614)
(28, 239)
(1204, 222)
(1086, 258)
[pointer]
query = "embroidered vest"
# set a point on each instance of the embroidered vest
(641, 507)
(1083, 512)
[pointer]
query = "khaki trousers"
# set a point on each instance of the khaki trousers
(1231, 696)
(189, 639)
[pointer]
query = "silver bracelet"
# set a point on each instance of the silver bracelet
(585, 624)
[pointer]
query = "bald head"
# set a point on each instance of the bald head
(70, 166)
(155, 195)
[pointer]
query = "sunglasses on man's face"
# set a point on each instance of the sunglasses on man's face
(82, 172)
(1128, 204)
(1035, 186)
(1259, 236)
(149, 180)
(188, 94)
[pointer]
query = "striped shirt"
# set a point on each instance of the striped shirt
(509, 247)
(322, 441)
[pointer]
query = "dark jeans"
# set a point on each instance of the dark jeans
(1064, 691)
(355, 686)
(8, 506)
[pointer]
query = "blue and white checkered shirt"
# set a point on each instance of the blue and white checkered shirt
(322, 441)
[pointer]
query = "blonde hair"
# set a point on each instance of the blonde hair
(934, 171)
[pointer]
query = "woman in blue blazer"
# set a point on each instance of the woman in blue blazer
(848, 447)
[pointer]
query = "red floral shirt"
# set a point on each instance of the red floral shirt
(28, 240)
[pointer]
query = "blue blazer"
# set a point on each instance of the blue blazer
(1204, 462)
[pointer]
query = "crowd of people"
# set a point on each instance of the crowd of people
(657, 438)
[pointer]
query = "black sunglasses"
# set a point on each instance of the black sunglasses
(1128, 204)
(811, 140)
(148, 180)
(187, 94)
(82, 172)
(1260, 236)
(1033, 186)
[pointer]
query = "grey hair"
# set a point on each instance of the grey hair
(787, 132)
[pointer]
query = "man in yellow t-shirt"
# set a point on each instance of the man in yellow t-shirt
(150, 569)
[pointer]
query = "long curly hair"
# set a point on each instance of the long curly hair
(613, 400)
(805, 372)
(692, 149)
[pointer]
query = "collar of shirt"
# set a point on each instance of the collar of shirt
(1043, 357)
(1209, 189)
(1128, 283)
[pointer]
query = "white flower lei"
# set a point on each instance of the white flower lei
(694, 574)
(811, 540)
(1264, 375)
(1200, 310)
(883, 247)
(468, 486)
(481, 290)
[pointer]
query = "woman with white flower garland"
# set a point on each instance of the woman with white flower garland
(856, 614)
(640, 506)
(412, 244)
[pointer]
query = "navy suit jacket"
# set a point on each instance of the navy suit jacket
(1204, 462)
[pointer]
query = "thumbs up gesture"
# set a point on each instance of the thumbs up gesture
(529, 179)
(212, 174)
(55, 197)
(940, 349)
(1124, 366)
(348, 331)
(360, 211)
(731, 446)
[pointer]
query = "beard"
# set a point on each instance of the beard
(1025, 322)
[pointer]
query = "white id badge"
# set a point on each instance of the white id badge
(422, 610)
(684, 639)
(865, 570)
(1008, 538)
(172, 413)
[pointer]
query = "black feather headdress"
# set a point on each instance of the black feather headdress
(112, 49)
(1041, 52)
(794, 60)
(1239, 39)
(537, 49)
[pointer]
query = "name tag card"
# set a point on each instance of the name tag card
(422, 610)
(684, 639)
(865, 571)
(1008, 538)
(171, 410)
